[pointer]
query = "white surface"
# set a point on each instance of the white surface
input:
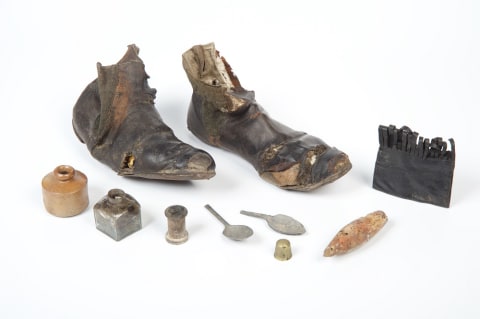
(335, 69)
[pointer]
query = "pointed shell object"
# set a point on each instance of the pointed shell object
(356, 233)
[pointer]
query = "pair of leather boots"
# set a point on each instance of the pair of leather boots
(116, 118)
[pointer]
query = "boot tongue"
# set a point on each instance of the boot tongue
(212, 77)
(131, 55)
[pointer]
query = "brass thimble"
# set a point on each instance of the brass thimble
(283, 250)
(65, 191)
(176, 234)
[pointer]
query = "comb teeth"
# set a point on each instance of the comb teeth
(408, 141)
(413, 167)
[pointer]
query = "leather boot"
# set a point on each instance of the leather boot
(222, 113)
(115, 117)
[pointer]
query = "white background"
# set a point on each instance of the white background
(334, 69)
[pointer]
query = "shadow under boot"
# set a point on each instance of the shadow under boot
(223, 114)
(116, 118)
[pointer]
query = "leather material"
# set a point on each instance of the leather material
(115, 117)
(230, 118)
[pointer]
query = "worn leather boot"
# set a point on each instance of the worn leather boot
(222, 113)
(115, 117)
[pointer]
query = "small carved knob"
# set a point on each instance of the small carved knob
(176, 233)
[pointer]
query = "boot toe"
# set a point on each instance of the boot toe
(319, 166)
(180, 162)
(195, 164)
(334, 165)
(201, 162)
(319, 170)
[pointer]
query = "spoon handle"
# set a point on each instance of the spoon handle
(253, 214)
(214, 213)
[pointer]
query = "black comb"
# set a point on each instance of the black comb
(411, 167)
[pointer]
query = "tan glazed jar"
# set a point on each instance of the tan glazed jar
(65, 191)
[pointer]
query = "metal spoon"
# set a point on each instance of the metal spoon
(280, 223)
(235, 232)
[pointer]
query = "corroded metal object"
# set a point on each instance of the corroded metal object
(411, 167)
(115, 117)
(280, 223)
(356, 233)
(223, 114)
(177, 233)
(234, 232)
(117, 214)
(65, 192)
(283, 250)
